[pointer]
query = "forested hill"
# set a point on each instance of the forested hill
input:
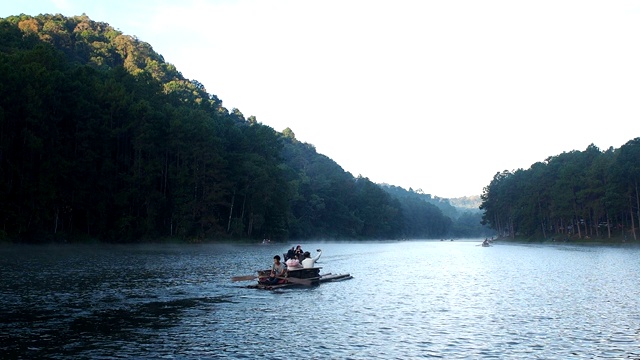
(590, 194)
(101, 139)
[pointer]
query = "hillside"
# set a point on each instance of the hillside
(590, 194)
(101, 138)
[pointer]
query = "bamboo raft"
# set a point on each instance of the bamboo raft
(299, 277)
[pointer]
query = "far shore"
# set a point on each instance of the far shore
(575, 239)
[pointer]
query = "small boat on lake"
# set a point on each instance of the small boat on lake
(299, 277)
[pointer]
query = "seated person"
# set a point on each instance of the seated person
(278, 270)
(293, 263)
(309, 261)
(299, 253)
(290, 254)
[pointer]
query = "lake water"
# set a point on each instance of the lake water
(407, 300)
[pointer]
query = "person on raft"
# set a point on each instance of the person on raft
(290, 254)
(293, 263)
(278, 271)
(309, 261)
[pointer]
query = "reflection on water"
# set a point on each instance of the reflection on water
(407, 300)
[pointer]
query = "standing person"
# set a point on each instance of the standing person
(278, 270)
(299, 253)
(309, 261)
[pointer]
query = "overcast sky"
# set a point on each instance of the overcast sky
(432, 95)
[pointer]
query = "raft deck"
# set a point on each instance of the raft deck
(314, 280)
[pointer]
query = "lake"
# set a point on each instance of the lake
(407, 300)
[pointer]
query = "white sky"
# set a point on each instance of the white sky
(433, 95)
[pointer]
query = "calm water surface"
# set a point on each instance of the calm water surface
(420, 299)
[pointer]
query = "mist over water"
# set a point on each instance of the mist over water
(440, 299)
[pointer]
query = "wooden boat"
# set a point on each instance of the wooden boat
(312, 275)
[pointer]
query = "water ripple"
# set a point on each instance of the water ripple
(458, 301)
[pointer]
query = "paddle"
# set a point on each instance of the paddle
(292, 280)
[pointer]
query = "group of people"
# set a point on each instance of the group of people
(295, 258)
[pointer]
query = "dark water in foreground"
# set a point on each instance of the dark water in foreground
(431, 299)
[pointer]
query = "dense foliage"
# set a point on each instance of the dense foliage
(100, 138)
(579, 194)
(460, 222)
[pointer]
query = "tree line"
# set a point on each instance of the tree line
(100, 138)
(574, 195)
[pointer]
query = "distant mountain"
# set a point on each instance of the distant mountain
(465, 219)
(467, 202)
